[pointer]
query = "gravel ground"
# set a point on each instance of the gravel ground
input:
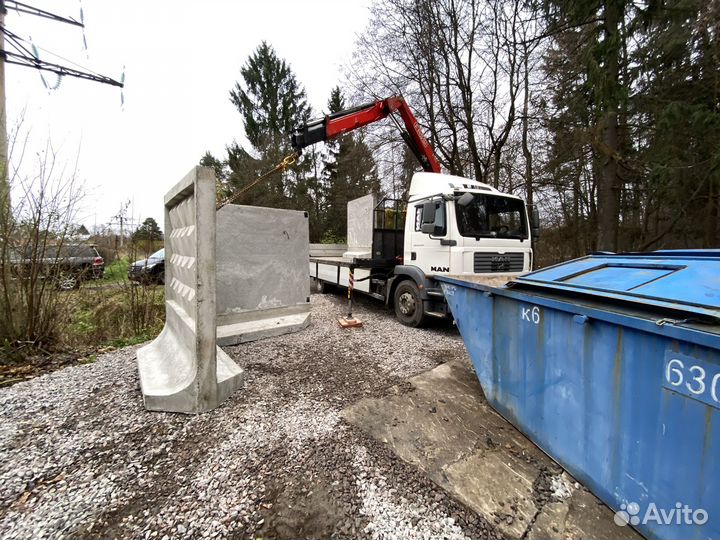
(82, 458)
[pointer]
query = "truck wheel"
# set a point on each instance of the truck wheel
(408, 304)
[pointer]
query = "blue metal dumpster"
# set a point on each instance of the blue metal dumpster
(611, 364)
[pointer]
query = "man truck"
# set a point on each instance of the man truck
(448, 225)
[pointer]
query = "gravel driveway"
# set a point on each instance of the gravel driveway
(81, 458)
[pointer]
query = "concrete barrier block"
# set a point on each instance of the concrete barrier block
(183, 369)
(360, 227)
(327, 250)
(262, 277)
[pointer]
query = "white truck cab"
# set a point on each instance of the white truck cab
(448, 225)
(460, 226)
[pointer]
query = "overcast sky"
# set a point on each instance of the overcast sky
(181, 59)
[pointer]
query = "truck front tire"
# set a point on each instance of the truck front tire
(408, 304)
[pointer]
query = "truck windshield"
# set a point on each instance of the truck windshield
(490, 216)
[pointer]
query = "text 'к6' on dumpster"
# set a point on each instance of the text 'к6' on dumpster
(611, 364)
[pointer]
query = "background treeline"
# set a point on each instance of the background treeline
(605, 113)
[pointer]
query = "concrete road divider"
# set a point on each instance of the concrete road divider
(231, 276)
(262, 278)
(183, 369)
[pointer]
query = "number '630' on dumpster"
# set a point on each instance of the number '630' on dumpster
(611, 364)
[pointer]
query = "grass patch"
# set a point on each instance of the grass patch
(109, 316)
(133, 340)
(117, 271)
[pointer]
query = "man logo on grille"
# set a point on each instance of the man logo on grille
(500, 263)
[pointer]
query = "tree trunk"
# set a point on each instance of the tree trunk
(609, 185)
(525, 145)
(580, 240)
(711, 217)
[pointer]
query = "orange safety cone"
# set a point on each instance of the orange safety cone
(350, 321)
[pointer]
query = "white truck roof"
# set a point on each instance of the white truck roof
(425, 184)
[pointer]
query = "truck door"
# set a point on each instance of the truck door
(429, 245)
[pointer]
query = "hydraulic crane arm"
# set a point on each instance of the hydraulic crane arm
(341, 122)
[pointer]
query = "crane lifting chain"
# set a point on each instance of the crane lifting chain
(280, 167)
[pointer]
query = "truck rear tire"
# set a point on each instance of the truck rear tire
(408, 304)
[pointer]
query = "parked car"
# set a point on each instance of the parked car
(67, 264)
(150, 270)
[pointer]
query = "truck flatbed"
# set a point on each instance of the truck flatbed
(335, 270)
(340, 261)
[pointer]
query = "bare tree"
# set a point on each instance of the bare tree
(460, 66)
(33, 230)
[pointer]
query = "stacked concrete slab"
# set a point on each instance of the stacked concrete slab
(360, 227)
(183, 369)
(262, 279)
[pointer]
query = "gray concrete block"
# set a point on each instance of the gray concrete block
(262, 273)
(360, 227)
(183, 369)
(234, 333)
(327, 250)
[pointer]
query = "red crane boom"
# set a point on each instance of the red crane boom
(341, 122)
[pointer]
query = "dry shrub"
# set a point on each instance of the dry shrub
(37, 214)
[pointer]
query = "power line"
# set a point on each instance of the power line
(24, 8)
(62, 58)
(29, 59)
(24, 57)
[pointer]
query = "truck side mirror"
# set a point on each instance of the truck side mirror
(428, 228)
(428, 213)
(534, 221)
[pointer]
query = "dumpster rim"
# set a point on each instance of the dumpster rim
(534, 278)
(708, 338)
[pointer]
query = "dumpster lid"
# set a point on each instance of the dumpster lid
(682, 280)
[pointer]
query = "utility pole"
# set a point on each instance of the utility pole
(4, 185)
(121, 217)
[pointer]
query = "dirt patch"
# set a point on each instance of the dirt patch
(441, 356)
(318, 502)
(13, 372)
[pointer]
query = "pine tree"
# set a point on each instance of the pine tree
(336, 103)
(220, 167)
(271, 102)
(596, 65)
(634, 123)
(334, 217)
(678, 91)
(148, 230)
